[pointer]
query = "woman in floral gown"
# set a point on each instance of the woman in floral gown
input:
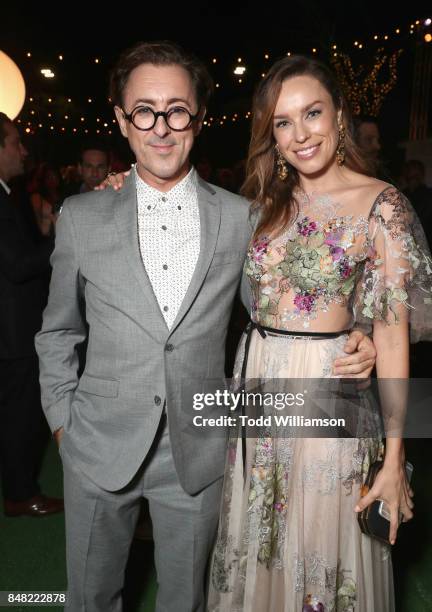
(332, 245)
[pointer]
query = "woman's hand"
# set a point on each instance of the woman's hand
(113, 180)
(391, 486)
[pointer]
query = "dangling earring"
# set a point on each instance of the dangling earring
(340, 151)
(282, 165)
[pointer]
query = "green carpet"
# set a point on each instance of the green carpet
(32, 550)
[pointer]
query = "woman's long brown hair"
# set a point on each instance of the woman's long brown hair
(272, 198)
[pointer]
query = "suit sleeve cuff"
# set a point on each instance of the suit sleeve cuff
(57, 414)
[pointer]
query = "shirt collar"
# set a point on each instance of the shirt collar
(185, 189)
(5, 186)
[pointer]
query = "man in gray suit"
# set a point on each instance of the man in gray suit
(154, 269)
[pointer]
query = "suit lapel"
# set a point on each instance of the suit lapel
(210, 217)
(127, 226)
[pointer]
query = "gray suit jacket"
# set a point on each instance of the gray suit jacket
(134, 364)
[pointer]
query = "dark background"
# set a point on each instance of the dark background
(82, 33)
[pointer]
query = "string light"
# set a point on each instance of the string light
(367, 87)
(367, 95)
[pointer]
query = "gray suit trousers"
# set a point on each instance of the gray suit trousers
(100, 526)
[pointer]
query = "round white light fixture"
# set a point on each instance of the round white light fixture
(12, 87)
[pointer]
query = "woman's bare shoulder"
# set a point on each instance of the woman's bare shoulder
(365, 190)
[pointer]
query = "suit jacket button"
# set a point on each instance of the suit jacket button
(157, 400)
(169, 348)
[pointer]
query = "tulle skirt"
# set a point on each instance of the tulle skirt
(288, 538)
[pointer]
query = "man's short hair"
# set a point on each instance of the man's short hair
(95, 145)
(4, 120)
(162, 53)
(359, 120)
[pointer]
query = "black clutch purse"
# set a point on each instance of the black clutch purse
(374, 520)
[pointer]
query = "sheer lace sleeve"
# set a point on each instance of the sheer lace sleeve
(396, 280)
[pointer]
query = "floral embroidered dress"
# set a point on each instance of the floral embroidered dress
(288, 538)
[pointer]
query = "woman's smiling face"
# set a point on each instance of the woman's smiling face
(305, 125)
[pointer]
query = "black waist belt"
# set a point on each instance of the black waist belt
(263, 331)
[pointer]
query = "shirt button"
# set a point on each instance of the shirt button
(157, 400)
(179, 207)
(165, 308)
(164, 227)
(169, 348)
(165, 267)
(164, 199)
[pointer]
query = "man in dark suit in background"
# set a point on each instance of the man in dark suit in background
(24, 275)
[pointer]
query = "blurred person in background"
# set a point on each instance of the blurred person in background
(47, 193)
(24, 275)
